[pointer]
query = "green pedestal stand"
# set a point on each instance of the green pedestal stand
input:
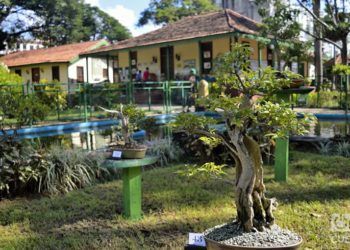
(131, 183)
(281, 159)
(282, 144)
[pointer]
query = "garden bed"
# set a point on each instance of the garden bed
(175, 205)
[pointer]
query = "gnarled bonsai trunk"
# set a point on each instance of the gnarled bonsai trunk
(254, 210)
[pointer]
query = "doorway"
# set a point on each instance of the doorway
(206, 57)
(167, 63)
(35, 75)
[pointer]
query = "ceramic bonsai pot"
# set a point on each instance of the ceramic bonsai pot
(297, 83)
(128, 153)
(133, 153)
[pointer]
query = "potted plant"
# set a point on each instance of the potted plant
(255, 113)
(130, 117)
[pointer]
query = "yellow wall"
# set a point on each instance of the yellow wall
(254, 46)
(188, 52)
(145, 59)
(45, 72)
(123, 59)
(220, 46)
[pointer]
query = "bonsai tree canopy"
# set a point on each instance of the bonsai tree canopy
(130, 117)
(254, 112)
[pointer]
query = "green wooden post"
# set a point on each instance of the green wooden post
(282, 150)
(132, 193)
(281, 159)
(164, 96)
(183, 95)
(85, 102)
(169, 96)
(90, 101)
(58, 106)
(149, 98)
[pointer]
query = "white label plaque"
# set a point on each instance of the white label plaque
(117, 154)
(196, 239)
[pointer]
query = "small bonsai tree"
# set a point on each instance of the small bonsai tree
(253, 112)
(130, 117)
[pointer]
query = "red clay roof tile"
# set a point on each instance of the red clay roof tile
(219, 22)
(63, 53)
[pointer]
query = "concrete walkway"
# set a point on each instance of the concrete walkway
(319, 110)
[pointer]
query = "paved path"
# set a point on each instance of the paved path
(320, 110)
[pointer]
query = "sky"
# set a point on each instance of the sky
(126, 11)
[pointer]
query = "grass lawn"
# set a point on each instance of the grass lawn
(175, 205)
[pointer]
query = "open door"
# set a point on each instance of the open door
(167, 62)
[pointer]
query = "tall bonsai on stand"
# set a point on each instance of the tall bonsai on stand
(254, 112)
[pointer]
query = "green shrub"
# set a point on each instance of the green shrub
(30, 110)
(69, 169)
(52, 95)
(23, 168)
(10, 91)
(343, 149)
(327, 99)
(20, 167)
(166, 150)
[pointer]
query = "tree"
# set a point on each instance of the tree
(167, 11)
(101, 25)
(13, 104)
(57, 22)
(284, 30)
(334, 25)
(245, 117)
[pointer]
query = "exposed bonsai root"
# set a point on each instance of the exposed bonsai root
(254, 210)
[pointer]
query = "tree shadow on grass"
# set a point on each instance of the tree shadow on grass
(103, 202)
(169, 233)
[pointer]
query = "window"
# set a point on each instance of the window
(18, 72)
(31, 47)
(80, 74)
(55, 73)
(105, 73)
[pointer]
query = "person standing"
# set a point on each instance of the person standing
(146, 75)
(192, 93)
(202, 92)
(139, 76)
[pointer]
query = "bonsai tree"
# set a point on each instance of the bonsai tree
(130, 117)
(253, 112)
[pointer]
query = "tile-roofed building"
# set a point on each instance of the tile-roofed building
(63, 53)
(192, 42)
(60, 63)
(214, 23)
(169, 53)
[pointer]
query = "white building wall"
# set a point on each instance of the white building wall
(95, 70)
